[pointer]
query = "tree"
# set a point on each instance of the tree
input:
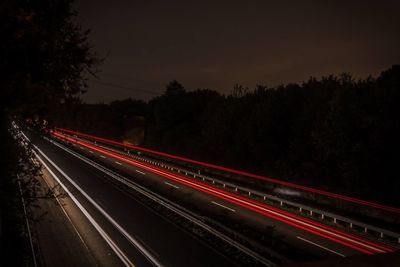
(331, 133)
(44, 54)
(239, 90)
(174, 88)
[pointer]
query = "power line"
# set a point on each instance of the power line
(150, 92)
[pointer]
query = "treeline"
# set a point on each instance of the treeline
(335, 133)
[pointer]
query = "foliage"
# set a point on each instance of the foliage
(334, 133)
(44, 54)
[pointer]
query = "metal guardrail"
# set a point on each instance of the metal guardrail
(351, 223)
(172, 206)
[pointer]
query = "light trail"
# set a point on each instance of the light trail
(169, 205)
(308, 225)
(121, 255)
(268, 179)
(152, 259)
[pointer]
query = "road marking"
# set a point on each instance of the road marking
(164, 202)
(102, 156)
(74, 144)
(140, 172)
(302, 223)
(118, 162)
(132, 240)
(82, 147)
(223, 206)
(320, 246)
(91, 151)
(177, 187)
(99, 229)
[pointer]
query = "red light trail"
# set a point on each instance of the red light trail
(305, 224)
(259, 177)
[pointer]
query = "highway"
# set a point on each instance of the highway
(245, 174)
(363, 244)
(163, 238)
(168, 243)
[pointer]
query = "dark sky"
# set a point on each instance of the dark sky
(215, 44)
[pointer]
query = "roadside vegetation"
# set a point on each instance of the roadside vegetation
(44, 54)
(334, 133)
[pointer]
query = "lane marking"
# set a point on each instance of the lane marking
(166, 203)
(102, 156)
(118, 162)
(320, 246)
(81, 147)
(209, 165)
(132, 240)
(293, 220)
(249, 204)
(91, 151)
(140, 172)
(223, 206)
(177, 187)
(99, 229)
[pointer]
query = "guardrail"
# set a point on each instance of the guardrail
(174, 207)
(316, 214)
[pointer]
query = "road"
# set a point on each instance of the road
(351, 241)
(167, 243)
(58, 223)
(245, 174)
(170, 244)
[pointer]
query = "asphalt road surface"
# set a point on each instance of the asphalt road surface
(170, 244)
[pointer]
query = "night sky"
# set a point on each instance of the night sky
(215, 44)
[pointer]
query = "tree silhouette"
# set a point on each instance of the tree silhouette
(174, 88)
(44, 54)
(334, 133)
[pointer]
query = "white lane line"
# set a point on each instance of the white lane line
(223, 206)
(320, 246)
(118, 162)
(164, 202)
(91, 151)
(81, 147)
(99, 229)
(74, 144)
(132, 240)
(260, 208)
(102, 156)
(177, 187)
(140, 172)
